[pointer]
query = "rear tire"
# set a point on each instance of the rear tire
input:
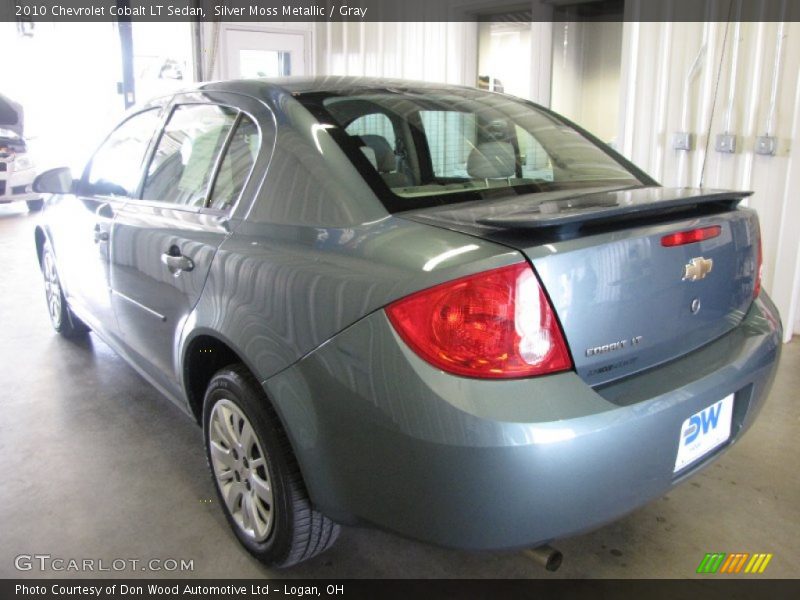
(62, 318)
(35, 205)
(256, 475)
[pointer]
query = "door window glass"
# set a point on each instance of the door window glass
(236, 165)
(116, 167)
(187, 151)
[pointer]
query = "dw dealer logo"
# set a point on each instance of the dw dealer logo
(719, 562)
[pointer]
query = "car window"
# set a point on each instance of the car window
(374, 124)
(236, 165)
(451, 137)
(467, 145)
(187, 151)
(116, 167)
(536, 164)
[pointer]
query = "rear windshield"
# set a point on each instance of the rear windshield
(437, 147)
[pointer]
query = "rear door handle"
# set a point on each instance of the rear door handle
(176, 262)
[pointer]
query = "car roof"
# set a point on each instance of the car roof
(263, 88)
(322, 84)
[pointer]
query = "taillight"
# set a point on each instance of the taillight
(691, 236)
(759, 268)
(495, 324)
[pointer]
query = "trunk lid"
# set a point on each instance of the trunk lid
(624, 300)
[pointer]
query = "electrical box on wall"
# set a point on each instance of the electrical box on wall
(682, 140)
(725, 142)
(767, 145)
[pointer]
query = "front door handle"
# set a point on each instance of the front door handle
(176, 262)
(100, 235)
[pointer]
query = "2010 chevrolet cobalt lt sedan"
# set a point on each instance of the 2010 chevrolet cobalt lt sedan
(448, 313)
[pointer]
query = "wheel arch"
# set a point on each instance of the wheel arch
(204, 353)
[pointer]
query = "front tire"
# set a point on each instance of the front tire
(62, 318)
(256, 475)
(35, 205)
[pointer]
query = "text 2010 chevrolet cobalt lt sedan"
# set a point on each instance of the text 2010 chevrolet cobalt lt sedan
(444, 312)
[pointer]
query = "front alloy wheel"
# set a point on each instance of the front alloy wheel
(52, 290)
(62, 318)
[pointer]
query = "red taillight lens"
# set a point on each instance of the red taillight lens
(495, 324)
(759, 268)
(691, 236)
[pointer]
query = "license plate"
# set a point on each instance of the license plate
(704, 431)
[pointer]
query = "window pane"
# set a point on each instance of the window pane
(116, 166)
(451, 137)
(479, 145)
(504, 55)
(264, 63)
(587, 65)
(162, 57)
(377, 124)
(236, 166)
(187, 151)
(535, 161)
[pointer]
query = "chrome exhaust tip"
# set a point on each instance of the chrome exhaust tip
(546, 556)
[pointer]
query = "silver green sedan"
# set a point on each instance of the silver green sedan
(444, 312)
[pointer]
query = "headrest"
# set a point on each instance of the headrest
(492, 160)
(383, 152)
(370, 154)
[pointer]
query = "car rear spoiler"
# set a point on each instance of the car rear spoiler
(568, 211)
(579, 210)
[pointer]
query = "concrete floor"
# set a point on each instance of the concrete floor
(98, 465)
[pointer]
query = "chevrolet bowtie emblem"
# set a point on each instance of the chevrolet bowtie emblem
(697, 269)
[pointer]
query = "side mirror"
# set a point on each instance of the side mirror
(54, 181)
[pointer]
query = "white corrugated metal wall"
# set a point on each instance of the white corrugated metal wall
(656, 58)
(445, 52)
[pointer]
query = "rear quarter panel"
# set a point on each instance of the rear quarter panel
(277, 292)
(316, 251)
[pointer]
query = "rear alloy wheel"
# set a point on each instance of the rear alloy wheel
(240, 468)
(35, 205)
(62, 318)
(257, 478)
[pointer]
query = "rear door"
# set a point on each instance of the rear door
(164, 241)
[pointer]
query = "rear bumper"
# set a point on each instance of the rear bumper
(382, 437)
